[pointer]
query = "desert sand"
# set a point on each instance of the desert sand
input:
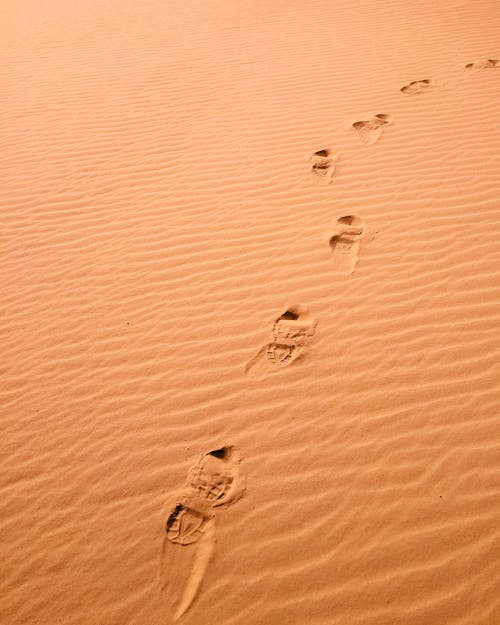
(251, 302)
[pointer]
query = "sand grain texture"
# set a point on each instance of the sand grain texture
(159, 213)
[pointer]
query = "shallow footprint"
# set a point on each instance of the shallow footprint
(417, 86)
(369, 131)
(322, 167)
(483, 64)
(282, 353)
(216, 476)
(290, 331)
(344, 240)
(291, 334)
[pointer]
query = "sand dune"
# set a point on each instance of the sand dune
(270, 228)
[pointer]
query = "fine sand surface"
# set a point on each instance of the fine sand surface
(251, 258)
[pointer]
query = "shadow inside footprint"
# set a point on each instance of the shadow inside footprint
(322, 167)
(417, 86)
(369, 131)
(483, 64)
(290, 334)
(344, 240)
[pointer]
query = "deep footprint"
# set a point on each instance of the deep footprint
(213, 481)
(369, 130)
(322, 167)
(344, 240)
(417, 86)
(291, 333)
(216, 478)
(483, 64)
(184, 564)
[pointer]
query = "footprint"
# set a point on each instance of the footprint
(483, 64)
(417, 86)
(189, 537)
(369, 131)
(322, 167)
(188, 545)
(216, 477)
(185, 524)
(344, 240)
(282, 353)
(291, 334)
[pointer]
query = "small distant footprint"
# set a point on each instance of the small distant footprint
(483, 64)
(344, 240)
(213, 481)
(417, 86)
(291, 333)
(322, 166)
(369, 131)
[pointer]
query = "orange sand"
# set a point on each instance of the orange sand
(176, 172)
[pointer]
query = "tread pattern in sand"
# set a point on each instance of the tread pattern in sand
(344, 240)
(369, 130)
(291, 333)
(322, 166)
(185, 524)
(215, 477)
(417, 86)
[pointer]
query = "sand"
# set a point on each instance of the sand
(265, 227)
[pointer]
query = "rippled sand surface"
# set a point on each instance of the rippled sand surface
(269, 228)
